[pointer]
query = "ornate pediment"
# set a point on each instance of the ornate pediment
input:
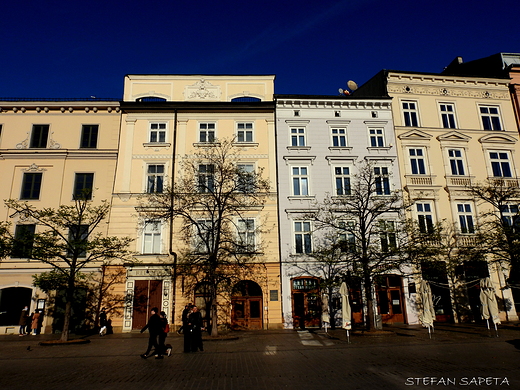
(498, 138)
(415, 135)
(453, 136)
(202, 90)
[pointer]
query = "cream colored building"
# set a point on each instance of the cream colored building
(48, 150)
(164, 118)
(451, 132)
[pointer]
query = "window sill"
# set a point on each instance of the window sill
(298, 148)
(246, 144)
(301, 197)
(156, 144)
(206, 144)
(379, 148)
(340, 148)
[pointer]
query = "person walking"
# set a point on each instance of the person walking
(154, 327)
(34, 324)
(165, 348)
(196, 327)
(24, 316)
(103, 322)
(186, 328)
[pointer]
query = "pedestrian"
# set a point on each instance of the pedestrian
(154, 327)
(103, 322)
(35, 324)
(184, 317)
(23, 320)
(186, 329)
(196, 327)
(165, 348)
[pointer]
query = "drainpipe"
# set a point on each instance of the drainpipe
(170, 249)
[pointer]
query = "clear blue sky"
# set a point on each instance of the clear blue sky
(63, 49)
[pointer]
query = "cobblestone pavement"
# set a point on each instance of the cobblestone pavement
(455, 357)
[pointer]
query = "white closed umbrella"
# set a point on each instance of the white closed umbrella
(427, 313)
(346, 311)
(488, 300)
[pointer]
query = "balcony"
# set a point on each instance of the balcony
(504, 182)
(419, 180)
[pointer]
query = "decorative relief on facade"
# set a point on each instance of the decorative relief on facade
(25, 143)
(452, 92)
(202, 90)
(151, 156)
(34, 168)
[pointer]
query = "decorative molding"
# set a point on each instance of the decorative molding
(34, 168)
(498, 138)
(466, 91)
(453, 136)
(202, 90)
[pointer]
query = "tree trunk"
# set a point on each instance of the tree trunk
(214, 329)
(370, 320)
(68, 307)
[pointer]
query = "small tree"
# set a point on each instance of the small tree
(212, 202)
(369, 216)
(68, 239)
(5, 239)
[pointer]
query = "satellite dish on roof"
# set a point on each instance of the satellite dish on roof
(352, 85)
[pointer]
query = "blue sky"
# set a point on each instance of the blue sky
(59, 49)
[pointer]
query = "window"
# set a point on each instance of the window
(155, 178)
(83, 186)
(152, 238)
(346, 237)
(509, 214)
(39, 136)
(377, 139)
(204, 235)
(298, 136)
(302, 237)
(78, 235)
(465, 218)
(382, 180)
(417, 161)
(339, 137)
(23, 241)
(448, 115)
(456, 162)
(425, 217)
(300, 181)
(206, 178)
(206, 132)
(500, 164)
(387, 235)
(246, 235)
(410, 114)
(490, 118)
(31, 184)
(89, 136)
(342, 179)
(157, 132)
(245, 132)
(246, 178)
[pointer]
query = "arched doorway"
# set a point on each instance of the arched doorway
(246, 303)
(12, 301)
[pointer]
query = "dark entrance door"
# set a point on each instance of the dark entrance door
(147, 294)
(306, 302)
(246, 303)
(389, 299)
(12, 301)
(435, 273)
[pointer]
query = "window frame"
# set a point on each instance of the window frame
(77, 191)
(204, 184)
(158, 179)
(410, 115)
(152, 229)
(496, 163)
(300, 178)
(245, 131)
(302, 237)
(465, 218)
(382, 180)
(338, 136)
(22, 246)
(39, 137)
(210, 132)
(298, 137)
(344, 178)
(426, 225)
(375, 138)
(246, 246)
(157, 132)
(414, 161)
(34, 192)
(493, 119)
(448, 118)
(246, 179)
(89, 136)
(457, 163)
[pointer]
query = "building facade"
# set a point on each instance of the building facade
(321, 142)
(50, 150)
(452, 132)
(164, 119)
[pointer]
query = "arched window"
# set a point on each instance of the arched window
(150, 99)
(247, 99)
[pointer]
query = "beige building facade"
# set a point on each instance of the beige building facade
(50, 150)
(165, 118)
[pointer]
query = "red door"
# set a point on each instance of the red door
(147, 294)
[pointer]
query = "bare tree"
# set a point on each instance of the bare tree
(68, 238)
(369, 217)
(214, 205)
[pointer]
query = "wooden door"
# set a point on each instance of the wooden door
(147, 294)
(246, 313)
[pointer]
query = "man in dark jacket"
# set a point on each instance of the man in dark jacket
(195, 325)
(154, 326)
